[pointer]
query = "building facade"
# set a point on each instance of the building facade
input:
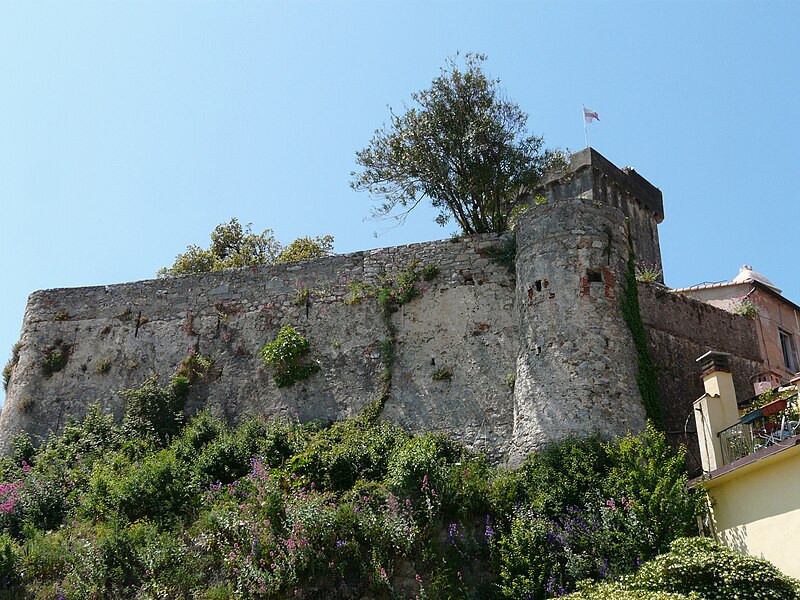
(776, 318)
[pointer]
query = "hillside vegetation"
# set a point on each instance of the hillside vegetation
(272, 508)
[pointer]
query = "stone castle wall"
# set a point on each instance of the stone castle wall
(464, 321)
(534, 355)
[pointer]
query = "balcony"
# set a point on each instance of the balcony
(761, 427)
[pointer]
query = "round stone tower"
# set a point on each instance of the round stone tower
(576, 368)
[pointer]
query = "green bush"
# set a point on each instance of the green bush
(43, 502)
(156, 488)
(81, 441)
(105, 562)
(196, 367)
(234, 246)
(503, 254)
(443, 374)
(564, 475)
(306, 247)
(617, 591)
(591, 510)
(525, 563)
(55, 358)
(224, 460)
(430, 272)
(219, 454)
(170, 568)
(22, 449)
(44, 562)
(8, 554)
(8, 369)
(400, 288)
(349, 451)
(202, 430)
(714, 572)
(155, 412)
(652, 477)
(701, 569)
(422, 470)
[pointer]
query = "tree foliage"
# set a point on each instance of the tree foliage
(463, 145)
(234, 246)
(306, 247)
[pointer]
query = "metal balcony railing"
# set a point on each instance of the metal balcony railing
(743, 439)
(736, 442)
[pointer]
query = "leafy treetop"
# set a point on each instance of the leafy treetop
(306, 247)
(234, 246)
(463, 145)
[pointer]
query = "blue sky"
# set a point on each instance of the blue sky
(128, 130)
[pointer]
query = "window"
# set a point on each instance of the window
(789, 352)
(594, 276)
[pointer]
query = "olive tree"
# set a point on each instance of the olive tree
(462, 145)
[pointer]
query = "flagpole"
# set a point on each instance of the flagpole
(585, 130)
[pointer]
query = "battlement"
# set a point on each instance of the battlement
(591, 175)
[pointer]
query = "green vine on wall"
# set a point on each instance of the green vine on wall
(647, 371)
(391, 292)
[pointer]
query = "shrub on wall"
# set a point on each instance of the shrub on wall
(234, 246)
(746, 306)
(55, 358)
(648, 272)
(196, 367)
(285, 355)
(8, 369)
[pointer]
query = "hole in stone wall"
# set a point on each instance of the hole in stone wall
(538, 284)
(594, 276)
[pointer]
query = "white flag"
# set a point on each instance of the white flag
(590, 115)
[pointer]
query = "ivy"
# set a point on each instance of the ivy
(647, 371)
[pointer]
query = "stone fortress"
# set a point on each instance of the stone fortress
(530, 355)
